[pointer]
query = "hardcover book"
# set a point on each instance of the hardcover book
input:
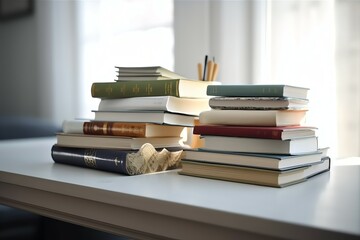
(127, 129)
(258, 103)
(173, 87)
(116, 142)
(158, 117)
(144, 160)
(253, 117)
(282, 133)
(273, 178)
(147, 71)
(296, 146)
(258, 91)
(189, 106)
(257, 160)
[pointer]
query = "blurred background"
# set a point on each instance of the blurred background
(51, 51)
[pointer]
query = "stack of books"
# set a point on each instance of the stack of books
(140, 125)
(256, 134)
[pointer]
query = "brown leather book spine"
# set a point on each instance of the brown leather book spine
(115, 129)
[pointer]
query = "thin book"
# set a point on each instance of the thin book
(258, 90)
(295, 146)
(282, 133)
(116, 142)
(258, 103)
(189, 106)
(253, 117)
(157, 117)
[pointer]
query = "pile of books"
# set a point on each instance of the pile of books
(256, 134)
(140, 125)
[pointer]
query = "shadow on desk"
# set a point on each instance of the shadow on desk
(17, 224)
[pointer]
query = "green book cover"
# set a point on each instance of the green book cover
(125, 89)
(257, 91)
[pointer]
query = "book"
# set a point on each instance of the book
(185, 88)
(282, 133)
(294, 146)
(129, 162)
(156, 71)
(158, 117)
(258, 160)
(142, 77)
(258, 91)
(258, 176)
(258, 103)
(127, 129)
(189, 106)
(116, 142)
(253, 117)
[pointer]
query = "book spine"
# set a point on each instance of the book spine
(125, 89)
(100, 159)
(115, 129)
(235, 132)
(106, 128)
(245, 91)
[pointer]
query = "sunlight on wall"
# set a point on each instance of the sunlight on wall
(122, 33)
(301, 39)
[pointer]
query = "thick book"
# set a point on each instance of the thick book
(128, 162)
(253, 117)
(258, 176)
(258, 103)
(189, 106)
(258, 160)
(116, 142)
(158, 117)
(282, 133)
(258, 91)
(173, 87)
(127, 129)
(294, 146)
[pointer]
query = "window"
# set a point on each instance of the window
(121, 33)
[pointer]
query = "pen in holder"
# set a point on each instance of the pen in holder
(210, 71)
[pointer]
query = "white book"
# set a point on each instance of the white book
(294, 146)
(253, 117)
(116, 142)
(159, 117)
(190, 106)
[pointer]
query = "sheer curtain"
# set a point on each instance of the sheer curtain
(305, 43)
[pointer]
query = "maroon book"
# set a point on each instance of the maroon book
(283, 133)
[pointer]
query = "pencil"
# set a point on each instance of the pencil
(205, 63)
(210, 70)
(215, 72)
(199, 68)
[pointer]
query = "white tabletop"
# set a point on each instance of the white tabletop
(326, 206)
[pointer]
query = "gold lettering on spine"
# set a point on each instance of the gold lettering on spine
(90, 158)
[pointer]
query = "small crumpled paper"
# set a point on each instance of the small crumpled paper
(149, 160)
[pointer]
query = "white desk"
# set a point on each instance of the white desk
(168, 205)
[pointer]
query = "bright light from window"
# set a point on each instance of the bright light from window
(122, 33)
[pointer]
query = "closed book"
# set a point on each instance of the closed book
(127, 129)
(158, 117)
(258, 103)
(253, 117)
(142, 77)
(258, 91)
(257, 160)
(258, 176)
(173, 87)
(282, 133)
(147, 71)
(294, 146)
(189, 106)
(115, 142)
(128, 162)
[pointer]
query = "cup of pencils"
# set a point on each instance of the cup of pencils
(210, 70)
